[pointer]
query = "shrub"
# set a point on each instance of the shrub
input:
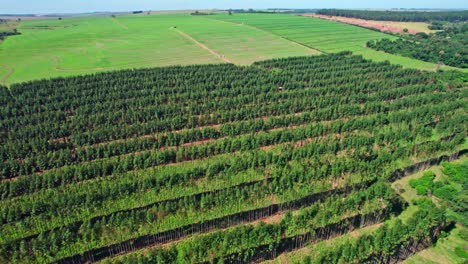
(423, 184)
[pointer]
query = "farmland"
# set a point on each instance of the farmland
(268, 157)
(50, 48)
(324, 35)
(56, 48)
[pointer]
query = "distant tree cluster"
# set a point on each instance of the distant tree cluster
(198, 13)
(8, 32)
(413, 16)
(447, 47)
(448, 191)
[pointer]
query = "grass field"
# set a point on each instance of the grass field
(418, 26)
(49, 48)
(240, 44)
(327, 36)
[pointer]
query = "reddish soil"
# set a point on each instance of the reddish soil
(384, 26)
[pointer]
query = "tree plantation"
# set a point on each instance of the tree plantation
(222, 163)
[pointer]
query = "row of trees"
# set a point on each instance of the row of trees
(63, 157)
(281, 185)
(106, 167)
(53, 124)
(95, 195)
(413, 16)
(248, 240)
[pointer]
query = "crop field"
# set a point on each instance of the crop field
(217, 163)
(242, 45)
(50, 48)
(324, 35)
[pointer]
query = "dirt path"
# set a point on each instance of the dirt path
(7, 76)
(270, 33)
(119, 23)
(223, 58)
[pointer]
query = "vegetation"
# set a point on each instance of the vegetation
(7, 28)
(450, 249)
(414, 16)
(73, 46)
(391, 242)
(245, 242)
(112, 163)
(198, 13)
(447, 46)
(448, 188)
(446, 246)
(326, 36)
(451, 190)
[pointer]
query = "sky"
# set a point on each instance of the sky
(80, 6)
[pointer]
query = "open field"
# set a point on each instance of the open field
(50, 48)
(390, 26)
(327, 36)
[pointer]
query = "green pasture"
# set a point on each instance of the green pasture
(49, 48)
(241, 44)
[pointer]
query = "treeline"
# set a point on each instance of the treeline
(4, 34)
(409, 16)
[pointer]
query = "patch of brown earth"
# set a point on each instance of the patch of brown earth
(384, 26)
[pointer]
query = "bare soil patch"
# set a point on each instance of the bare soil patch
(384, 26)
